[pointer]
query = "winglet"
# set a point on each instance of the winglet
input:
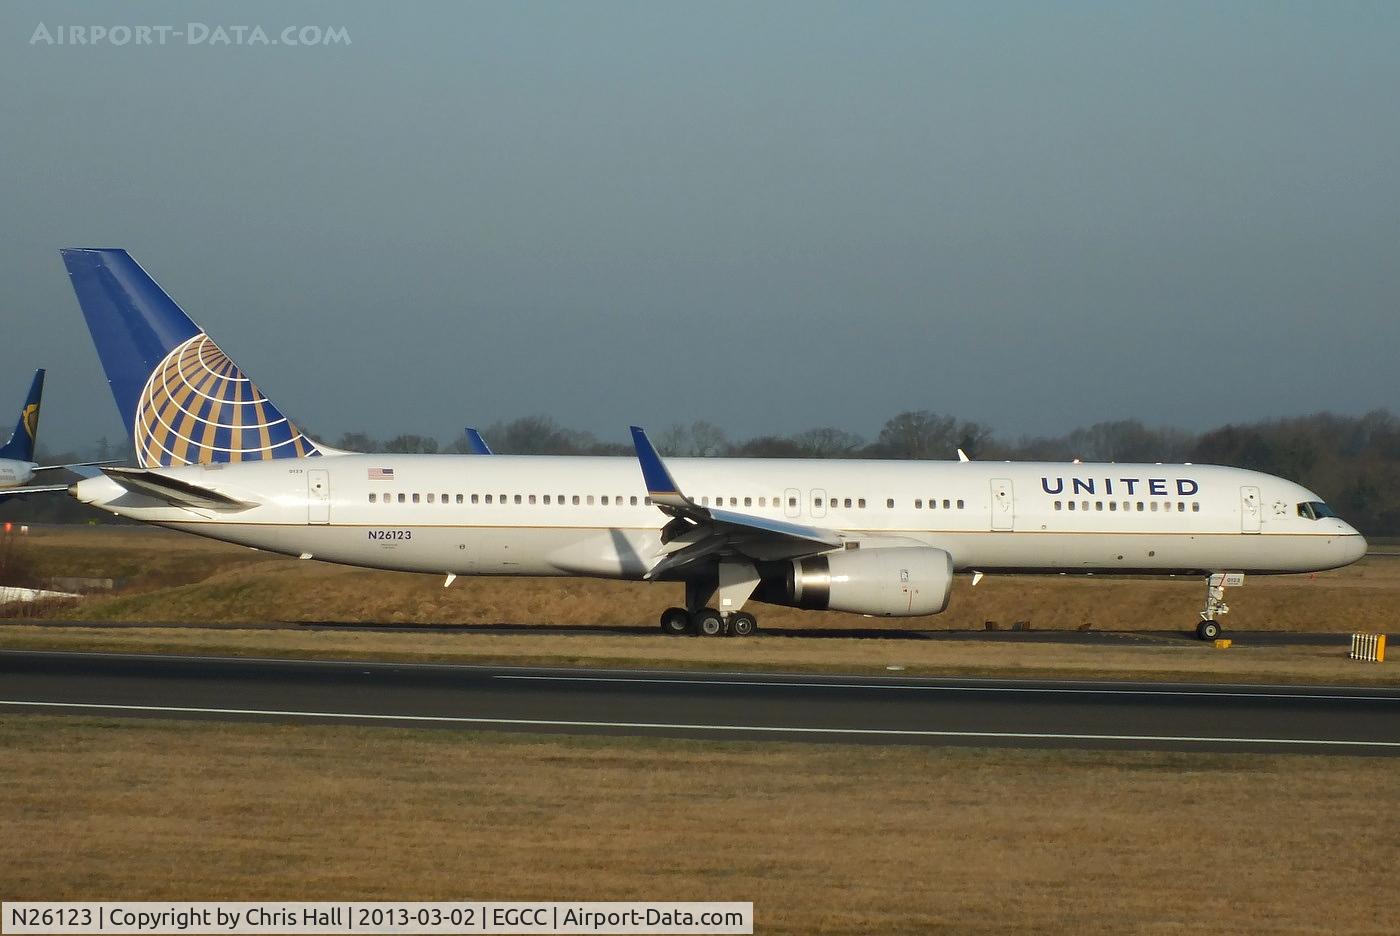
(962, 456)
(21, 444)
(476, 445)
(660, 485)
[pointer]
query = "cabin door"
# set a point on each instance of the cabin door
(1003, 505)
(1250, 511)
(318, 496)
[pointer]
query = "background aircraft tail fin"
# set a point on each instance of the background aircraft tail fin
(21, 444)
(476, 445)
(181, 398)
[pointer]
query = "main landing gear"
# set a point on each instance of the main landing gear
(732, 583)
(707, 622)
(675, 622)
(1209, 628)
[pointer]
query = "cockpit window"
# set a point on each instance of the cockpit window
(1314, 510)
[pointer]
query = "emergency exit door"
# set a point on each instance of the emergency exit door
(1003, 505)
(1250, 510)
(318, 496)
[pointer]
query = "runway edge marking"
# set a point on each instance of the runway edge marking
(665, 726)
(707, 676)
(1106, 689)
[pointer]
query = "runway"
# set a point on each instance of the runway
(729, 706)
(1015, 635)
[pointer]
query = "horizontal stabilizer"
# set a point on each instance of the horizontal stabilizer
(34, 489)
(174, 491)
(73, 466)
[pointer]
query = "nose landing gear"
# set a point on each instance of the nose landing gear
(1209, 628)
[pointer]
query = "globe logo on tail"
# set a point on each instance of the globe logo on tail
(198, 408)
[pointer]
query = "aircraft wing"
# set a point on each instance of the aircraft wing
(827, 539)
(174, 491)
(71, 466)
(701, 532)
(33, 489)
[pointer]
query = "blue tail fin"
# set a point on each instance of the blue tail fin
(476, 445)
(183, 401)
(21, 444)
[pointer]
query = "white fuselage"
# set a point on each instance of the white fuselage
(566, 515)
(13, 472)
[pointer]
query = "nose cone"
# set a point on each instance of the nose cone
(1351, 545)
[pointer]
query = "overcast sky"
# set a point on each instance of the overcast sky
(770, 216)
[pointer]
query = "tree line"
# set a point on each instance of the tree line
(1353, 462)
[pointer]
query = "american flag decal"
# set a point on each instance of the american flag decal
(381, 474)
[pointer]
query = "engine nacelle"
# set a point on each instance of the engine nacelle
(900, 581)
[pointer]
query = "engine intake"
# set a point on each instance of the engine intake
(901, 581)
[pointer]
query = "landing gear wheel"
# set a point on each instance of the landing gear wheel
(675, 622)
(742, 624)
(1208, 630)
(708, 622)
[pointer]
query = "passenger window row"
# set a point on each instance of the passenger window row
(837, 503)
(705, 501)
(620, 500)
(561, 500)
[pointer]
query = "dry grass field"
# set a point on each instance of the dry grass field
(235, 601)
(172, 577)
(824, 839)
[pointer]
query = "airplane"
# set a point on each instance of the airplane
(17, 466)
(216, 457)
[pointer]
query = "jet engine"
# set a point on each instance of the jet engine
(900, 581)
